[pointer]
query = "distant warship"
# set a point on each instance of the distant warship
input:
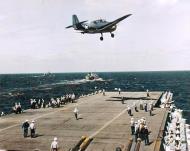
(93, 77)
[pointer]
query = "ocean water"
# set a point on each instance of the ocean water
(22, 87)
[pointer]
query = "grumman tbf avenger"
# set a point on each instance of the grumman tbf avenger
(97, 26)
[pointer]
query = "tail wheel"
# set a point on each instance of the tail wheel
(112, 35)
(101, 38)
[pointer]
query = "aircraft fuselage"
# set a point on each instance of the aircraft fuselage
(93, 27)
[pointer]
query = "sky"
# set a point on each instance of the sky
(33, 38)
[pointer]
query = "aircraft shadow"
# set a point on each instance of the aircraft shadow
(113, 100)
(132, 98)
(38, 135)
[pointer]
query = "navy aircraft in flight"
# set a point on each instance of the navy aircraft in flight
(97, 26)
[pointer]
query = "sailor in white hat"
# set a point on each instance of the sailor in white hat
(32, 129)
(2, 114)
(129, 110)
(136, 131)
(143, 120)
(76, 112)
(54, 144)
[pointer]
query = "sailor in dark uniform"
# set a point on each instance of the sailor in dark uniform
(146, 133)
(25, 127)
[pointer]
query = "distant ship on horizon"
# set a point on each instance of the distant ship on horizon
(48, 74)
(93, 77)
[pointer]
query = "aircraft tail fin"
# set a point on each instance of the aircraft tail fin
(76, 24)
(75, 21)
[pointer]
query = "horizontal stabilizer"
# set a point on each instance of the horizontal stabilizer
(69, 26)
(83, 22)
(76, 24)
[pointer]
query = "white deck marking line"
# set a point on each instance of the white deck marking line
(9, 127)
(107, 124)
(42, 116)
(33, 119)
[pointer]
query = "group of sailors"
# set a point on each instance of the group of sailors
(143, 106)
(54, 102)
(34, 104)
(140, 130)
(147, 107)
(17, 108)
(166, 100)
(175, 137)
(26, 126)
(118, 89)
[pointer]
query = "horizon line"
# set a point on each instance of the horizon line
(97, 71)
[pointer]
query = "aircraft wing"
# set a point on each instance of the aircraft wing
(110, 24)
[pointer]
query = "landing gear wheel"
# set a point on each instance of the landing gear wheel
(101, 38)
(112, 35)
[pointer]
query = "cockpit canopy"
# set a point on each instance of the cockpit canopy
(99, 21)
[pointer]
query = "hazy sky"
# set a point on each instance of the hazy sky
(33, 37)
